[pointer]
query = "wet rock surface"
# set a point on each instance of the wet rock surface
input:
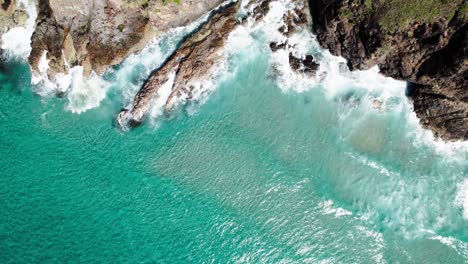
(295, 20)
(100, 34)
(202, 53)
(194, 60)
(429, 53)
(10, 16)
(85, 33)
(305, 64)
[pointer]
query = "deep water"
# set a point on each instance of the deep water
(268, 166)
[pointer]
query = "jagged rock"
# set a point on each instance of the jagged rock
(257, 9)
(99, 34)
(295, 20)
(430, 51)
(84, 33)
(163, 15)
(262, 8)
(10, 16)
(275, 46)
(306, 64)
(48, 36)
(194, 60)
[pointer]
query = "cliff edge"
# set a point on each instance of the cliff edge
(422, 42)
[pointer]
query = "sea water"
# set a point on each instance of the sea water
(332, 168)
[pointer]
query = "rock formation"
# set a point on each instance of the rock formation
(200, 54)
(11, 15)
(424, 43)
(99, 34)
(299, 18)
(420, 42)
(193, 60)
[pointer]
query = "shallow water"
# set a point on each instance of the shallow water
(264, 170)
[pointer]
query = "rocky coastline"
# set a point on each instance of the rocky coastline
(422, 43)
(201, 54)
(195, 59)
(428, 50)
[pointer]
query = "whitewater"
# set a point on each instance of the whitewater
(265, 164)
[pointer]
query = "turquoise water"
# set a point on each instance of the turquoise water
(257, 174)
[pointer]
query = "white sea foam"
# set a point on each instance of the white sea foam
(267, 28)
(85, 92)
(41, 80)
(459, 246)
(456, 150)
(377, 246)
(17, 41)
(128, 80)
(377, 92)
(132, 72)
(380, 168)
(157, 107)
(204, 88)
(43, 85)
(329, 208)
(461, 199)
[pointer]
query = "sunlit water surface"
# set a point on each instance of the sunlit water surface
(265, 170)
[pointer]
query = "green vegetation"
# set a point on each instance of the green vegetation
(464, 11)
(170, 1)
(396, 14)
(121, 27)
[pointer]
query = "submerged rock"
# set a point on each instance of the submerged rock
(429, 51)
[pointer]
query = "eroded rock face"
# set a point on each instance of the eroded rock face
(85, 32)
(99, 34)
(202, 54)
(430, 53)
(194, 60)
(11, 16)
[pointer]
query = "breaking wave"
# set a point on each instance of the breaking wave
(368, 106)
(16, 42)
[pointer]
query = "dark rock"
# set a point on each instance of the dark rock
(48, 36)
(310, 66)
(274, 46)
(305, 65)
(443, 115)
(431, 54)
(261, 10)
(6, 4)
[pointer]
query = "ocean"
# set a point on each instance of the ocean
(265, 166)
